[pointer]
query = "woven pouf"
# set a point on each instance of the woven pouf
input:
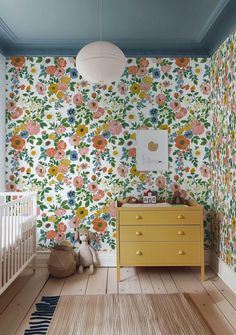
(62, 262)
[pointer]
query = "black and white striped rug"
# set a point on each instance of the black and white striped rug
(40, 319)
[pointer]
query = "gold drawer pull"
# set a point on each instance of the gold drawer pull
(138, 217)
(181, 232)
(180, 217)
(139, 253)
(138, 233)
(181, 252)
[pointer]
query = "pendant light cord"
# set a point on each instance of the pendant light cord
(101, 20)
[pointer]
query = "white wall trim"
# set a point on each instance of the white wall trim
(223, 271)
(105, 258)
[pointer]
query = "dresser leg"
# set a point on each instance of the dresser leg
(202, 273)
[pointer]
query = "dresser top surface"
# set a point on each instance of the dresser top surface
(190, 206)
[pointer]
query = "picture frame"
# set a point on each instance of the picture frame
(152, 150)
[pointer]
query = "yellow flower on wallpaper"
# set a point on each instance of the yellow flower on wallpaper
(135, 88)
(134, 171)
(165, 126)
(52, 136)
(53, 88)
(142, 94)
(52, 218)
(53, 170)
(148, 80)
(65, 162)
(65, 80)
(81, 130)
(81, 212)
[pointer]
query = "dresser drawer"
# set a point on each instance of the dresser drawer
(159, 217)
(159, 253)
(160, 233)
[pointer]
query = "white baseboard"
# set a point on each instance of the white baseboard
(223, 271)
(105, 258)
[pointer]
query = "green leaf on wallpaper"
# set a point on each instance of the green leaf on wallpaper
(39, 224)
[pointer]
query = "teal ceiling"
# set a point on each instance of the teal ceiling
(138, 27)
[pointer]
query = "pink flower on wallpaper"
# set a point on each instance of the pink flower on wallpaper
(144, 62)
(16, 113)
(62, 87)
(161, 99)
(132, 152)
(122, 170)
(197, 127)
(133, 70)
(11, 105)
(122, 88)
(40, 170)
(33, 128)
(60, 154)
(60, 212)
(175, 105)
(145, 87)
(183, 194)
(166, 68)
(99, 195)
(112, 209)
(60, 130)
(50, 152)
(142, 71)
(50, 69)
(83, 151)
(40, 88)
(78, 99)
(75, 140)
(78, 182)
(66, 181)
(174, 187)
(181, 113)
(98, 113)
(74, 223)
(205, 170)
(10, 187)
(205, 88)
(61, 62)
(61, 145)
(59, 72)
(92, 104)
(115, 127)
(60, 236)
(63, 168)
(161, 182)
(84, 166)
(92, 187)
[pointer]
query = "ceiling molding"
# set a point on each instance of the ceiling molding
(7, 31)
(211, 19)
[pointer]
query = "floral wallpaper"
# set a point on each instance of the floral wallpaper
(75, 143)
(223, 156)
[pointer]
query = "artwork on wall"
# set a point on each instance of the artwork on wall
(152, 150)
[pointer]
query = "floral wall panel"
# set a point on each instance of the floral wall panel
(75, 143)
(223, 157)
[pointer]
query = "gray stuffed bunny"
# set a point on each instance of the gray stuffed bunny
(86, 255)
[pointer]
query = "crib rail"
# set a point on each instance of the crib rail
(18, 214)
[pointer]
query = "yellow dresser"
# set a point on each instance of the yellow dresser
(160, 236)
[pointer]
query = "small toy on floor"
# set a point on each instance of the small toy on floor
(86, 255)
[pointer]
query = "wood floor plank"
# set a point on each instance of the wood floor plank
(157, 283)
(15, 312)
(75, 284)
(168, 281)
(52, 287)
(14, 288)
(187, 283)
(145, 281)
(112, 285)
(97, 282)
(129, 283)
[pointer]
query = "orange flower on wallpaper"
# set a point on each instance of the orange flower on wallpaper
(17, 142)
(99, 225)
(50, 235)
(181, 142)
(182, 62)
(18, 61)
(99, 142)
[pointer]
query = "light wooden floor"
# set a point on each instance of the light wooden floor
(213, 298)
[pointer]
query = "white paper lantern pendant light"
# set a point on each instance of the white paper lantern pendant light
(100, 62)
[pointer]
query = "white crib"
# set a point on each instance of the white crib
(18, 215)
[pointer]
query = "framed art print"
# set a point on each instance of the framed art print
(152, 150)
